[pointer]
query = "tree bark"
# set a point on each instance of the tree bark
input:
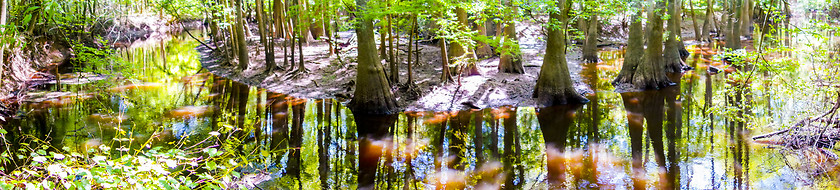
(482, 50)
(650, 74)
(746, 17)
(240, 35)
(733, 39)
(410, 40)
(303, 36)
(395, 70)
(445, 75)
(373, 93)
(3, 8)
(554, 85)
(261, 21)
(673, 61)
(465, 55)
(709, 23)
(634, 51)
(511, 58)
(590, 48)
(697, 35)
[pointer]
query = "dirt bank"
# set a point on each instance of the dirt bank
(330, 78)
(26, 67)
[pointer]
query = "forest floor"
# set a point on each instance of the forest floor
(330, 78)
(327, 77)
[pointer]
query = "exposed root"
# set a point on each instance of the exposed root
(297, 73)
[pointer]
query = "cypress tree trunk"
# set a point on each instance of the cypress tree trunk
(511, 59)
(373, 93)
(303, 36)
(3, 7)
(382, 53)
(746, 17)
(673, 62)
(697, 35)
(679, 19)
(634, 51)
(650, 73)
(590, 48)
(482, 50)
(466, 54)
(280, 29)
(291, 33)
(395, 70)
(445, 75)
(261, 21)
(410, 39)
(709, 23)
(554, 85)
(240, 35)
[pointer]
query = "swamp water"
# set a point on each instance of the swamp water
(695, 135)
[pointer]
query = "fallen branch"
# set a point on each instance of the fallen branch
(770, 134)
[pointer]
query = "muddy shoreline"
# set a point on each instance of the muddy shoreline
(36, 64)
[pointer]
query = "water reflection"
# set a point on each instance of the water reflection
(674, 138)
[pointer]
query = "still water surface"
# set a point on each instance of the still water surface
(695, 135)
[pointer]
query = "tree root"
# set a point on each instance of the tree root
(296, 74)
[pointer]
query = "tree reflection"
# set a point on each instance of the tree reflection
(554, 124)
(372, 130)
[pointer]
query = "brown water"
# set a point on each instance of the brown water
(695, 135)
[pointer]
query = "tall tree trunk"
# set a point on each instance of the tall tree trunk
(511, 58)
(465, 54)
(590, 48)
(395, 71)
(291, 33)
(373, 93)
(304, 34)
(410, 42)
(709, 22)
(746, 17)
(3, 7)
(280, 29)
(261, 21)
(733, 39)
(382, 51)
(679, 19)
(482, 50)
(240, 35)
(634, 51)
(673, 61)
(650, 74)
(697, 36)
(554, 85)
(445, 75)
